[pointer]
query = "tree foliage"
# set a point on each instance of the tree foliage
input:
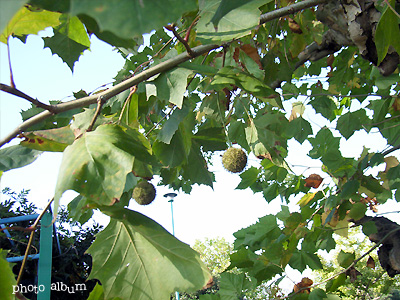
(214, 73)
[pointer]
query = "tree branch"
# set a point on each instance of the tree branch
(290, 9)
(13, 91)
(115, 90)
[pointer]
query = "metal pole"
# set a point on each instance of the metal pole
(172, 196)
(45, 256)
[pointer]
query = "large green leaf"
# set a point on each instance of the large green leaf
(172, 154)
(350, 122)
(16, 157)
(130, 18)
(136, 258)
(96, 164)
(7, 278)
(235, 24)
(27, 22)
(69, 40)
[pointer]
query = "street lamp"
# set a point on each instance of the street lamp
(171, 197)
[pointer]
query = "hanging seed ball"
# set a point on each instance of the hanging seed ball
(144, 193)
(234, 160)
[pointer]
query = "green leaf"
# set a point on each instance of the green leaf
(317, 294)
(387, 32)
(227, 6)
(79, 209)
(54, 140)
(323, 143)
(271, 192)
(171, 125)
(345, 259)
(69, 41)
(236, 133)
(16, 157)
(393, 174)
(135, 247)
(170, 86)
(128, 18)
(172, 154)
(237, 23)
(301, 259)
(357, 211)
(8, 9)
(334, 284)
(234, 76)
(349, 189)
(210, 297)
(325, 106)
(300, 129)
(96, 164)
(211, 139)
(350, 122)
(369, 228)
(7, 277)
(232, 286)
(26, 22)
(249, 177)
(196, 169)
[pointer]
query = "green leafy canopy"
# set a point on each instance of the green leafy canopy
(290, 82)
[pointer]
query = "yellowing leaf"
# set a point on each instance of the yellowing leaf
(391, 162)
(306, 198)
(297, 108)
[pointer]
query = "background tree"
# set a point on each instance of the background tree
(218, 73)
(71, 266)
(369, 280)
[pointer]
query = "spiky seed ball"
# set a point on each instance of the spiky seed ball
(144, 193)
(234, 160)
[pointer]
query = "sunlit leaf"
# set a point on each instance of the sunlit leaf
(26, 22)
(137, 248)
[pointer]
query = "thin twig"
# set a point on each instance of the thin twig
(100, 103)
(13, 91)
(181, 39)
(132, 91)
(35, 224)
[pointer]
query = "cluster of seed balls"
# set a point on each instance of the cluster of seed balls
(233, 159)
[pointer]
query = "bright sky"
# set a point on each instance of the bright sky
(203, 213)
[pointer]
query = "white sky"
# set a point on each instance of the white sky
(203, 213)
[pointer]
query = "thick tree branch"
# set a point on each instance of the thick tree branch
(115, 90)
(13, 91)
(290, 9)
